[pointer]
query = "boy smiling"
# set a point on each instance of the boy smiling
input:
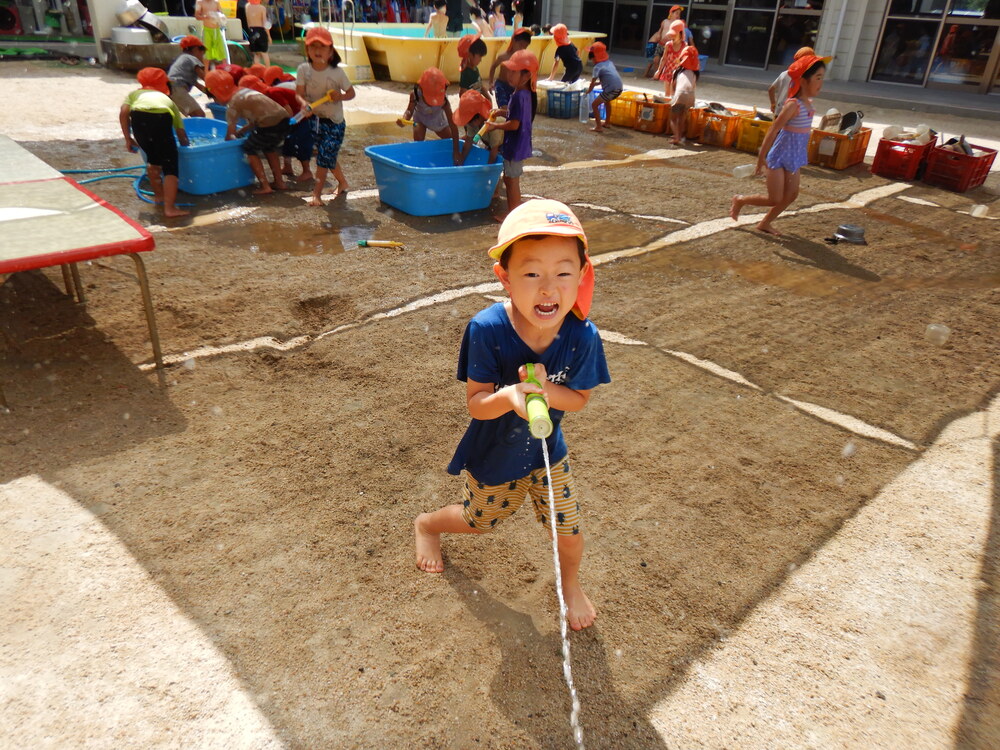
(541, 260)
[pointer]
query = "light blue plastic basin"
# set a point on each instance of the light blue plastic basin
(420, 179)
(205, 168)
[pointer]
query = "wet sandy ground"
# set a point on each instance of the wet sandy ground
(258, 505)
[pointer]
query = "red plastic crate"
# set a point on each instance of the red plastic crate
(959, 172)
(900, 161)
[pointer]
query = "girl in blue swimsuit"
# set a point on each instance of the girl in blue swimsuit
(784, 150)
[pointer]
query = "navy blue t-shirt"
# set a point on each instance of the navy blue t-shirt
(571, 59)
(501, 450)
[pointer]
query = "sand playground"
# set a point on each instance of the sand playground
(790, 493)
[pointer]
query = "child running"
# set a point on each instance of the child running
(519, 41)
(566, 54)
(315, 79)
(187, 72)
(429, 109)
(471, 50)
(522, 74)
(785, 148)
(606, 74)
(473, 112)
(685, 78)
(267, 123)
(541, 260)
(148, 118)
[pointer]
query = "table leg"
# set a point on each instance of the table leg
(67, 281)
(76, 283)
(147, 302)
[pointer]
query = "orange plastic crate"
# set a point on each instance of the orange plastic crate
(959, 172)
(843, 152)
(695, 123)
(898, 160)
(751, 134)
(625, 108)
(652, 117)
(721, 130)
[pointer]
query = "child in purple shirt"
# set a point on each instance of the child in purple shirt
(521, 71)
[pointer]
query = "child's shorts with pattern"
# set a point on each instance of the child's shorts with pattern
(487, 505)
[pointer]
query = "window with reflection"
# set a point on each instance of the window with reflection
(905, 51)
(917, 7)
(749, 35)
(976, 8)
(706, 27)
(792, 32)
(962, 54)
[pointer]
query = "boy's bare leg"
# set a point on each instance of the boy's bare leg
(427, 531)
(155, 177)
(258, 171)
(286, 166)
(342, 186)
(579, 610)
(306, 172)
(275, 164)
(316, 199)
(170, 209)
(513, 187)
(595, 109)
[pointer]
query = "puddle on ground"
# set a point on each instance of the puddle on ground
(606, 235)
(276, 238)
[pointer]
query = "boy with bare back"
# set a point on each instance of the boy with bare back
(542, 262)
(438, 22)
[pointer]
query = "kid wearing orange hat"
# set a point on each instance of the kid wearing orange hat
(258, 31)
(566, 53)
(148, 118)
(673, 45)
(785, 148)
(606, 74)
(519, 41)
(777, 92)
(685, 78)
(471, 50)
(429, 109)
(322, 76)
(522, 75)
(541, 260)
(473, 112)
(187, 72)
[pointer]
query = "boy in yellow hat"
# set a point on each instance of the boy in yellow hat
(542, 262)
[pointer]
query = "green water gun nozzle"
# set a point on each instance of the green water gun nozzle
(539, 421)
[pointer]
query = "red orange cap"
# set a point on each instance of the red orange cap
(799, 67)
(599, 50)
(274, 73)
(803, 51)
(472, 103)
(561, 34)
(433, 85)
(688, 58)
(155, 79)
(319, 35)
(523, 60)
(191, 41)
(545, 216)
(465, 42)
(236, 71)
(257, 70)
(675, 7)
(253, 82)
(221, 84)
(677, 27)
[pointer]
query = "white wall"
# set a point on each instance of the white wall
(858, 37)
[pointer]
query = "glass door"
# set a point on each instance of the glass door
(707, 22)
(751, 27)
(629, 33)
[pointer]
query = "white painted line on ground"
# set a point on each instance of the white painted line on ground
(918, 201)
(847, 422)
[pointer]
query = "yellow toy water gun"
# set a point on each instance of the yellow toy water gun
(380, 243)
(322, 100)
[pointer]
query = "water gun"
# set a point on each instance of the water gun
(322, 100)
(539, 421)
(403, 122)
(482, 131)
(380, 243)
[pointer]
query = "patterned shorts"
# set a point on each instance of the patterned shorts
(487, 505)
(329, 139)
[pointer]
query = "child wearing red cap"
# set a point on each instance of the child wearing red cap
(685, 77)
(429, 109)
(785, 148)
(148, 118)
(522, 74)
(258, 31)
(471, 51)
(473, 112)
(566, 53)
(673, 45)
(318, 78)
(187, 72)
(542, 262)
(519, 41)
(606, 74)
(298, 142)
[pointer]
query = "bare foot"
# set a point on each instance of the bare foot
(304, 177)
(288, 172)
(428, 545)
(734, 210)
(281, 185)
(314, 201)
(579, 611)
(173, 213)
(342, 189)
(766, 229)
(263, 190)
(597, 129)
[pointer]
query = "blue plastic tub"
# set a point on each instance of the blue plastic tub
(213, 167)
(218, 110)
(601, 110)
(564, 105)
(420, 179)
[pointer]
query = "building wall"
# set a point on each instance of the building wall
(858, 38)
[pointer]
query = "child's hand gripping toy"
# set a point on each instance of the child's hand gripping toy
(482, 131)
(310, 107)
(539, 422)
(403, 122)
